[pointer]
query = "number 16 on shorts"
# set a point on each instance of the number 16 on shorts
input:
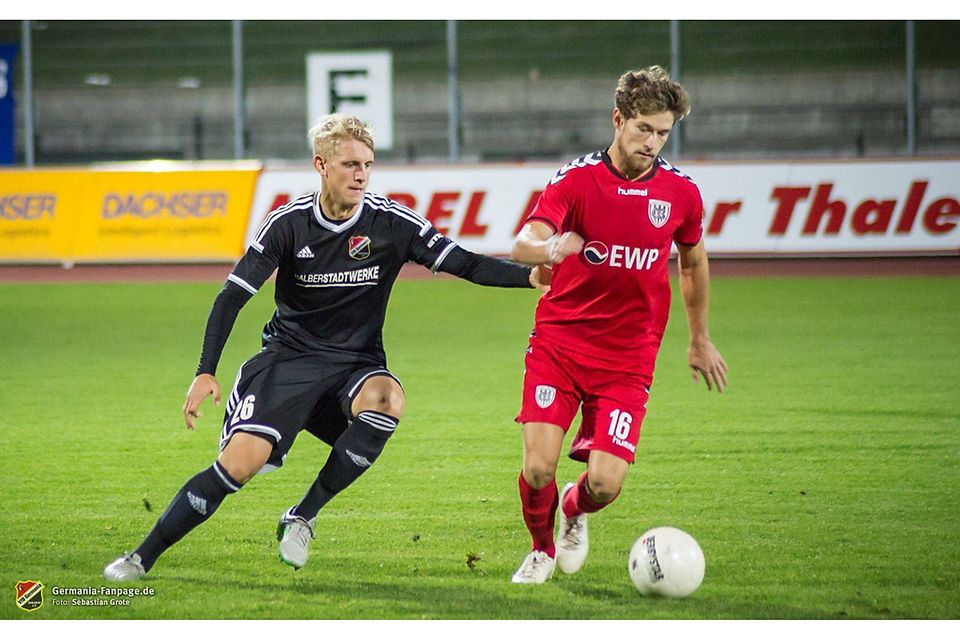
(620, 424)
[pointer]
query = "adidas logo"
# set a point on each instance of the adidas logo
(305, 253)
(360, 461)
(199, 504)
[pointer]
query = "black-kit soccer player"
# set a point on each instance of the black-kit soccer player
(322, 368)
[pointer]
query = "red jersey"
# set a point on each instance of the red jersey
(611, 301)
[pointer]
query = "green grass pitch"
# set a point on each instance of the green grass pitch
(824, 484)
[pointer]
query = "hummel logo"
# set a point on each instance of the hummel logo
(305, 253)
(199, 504)
(631, 192)
(360, 461)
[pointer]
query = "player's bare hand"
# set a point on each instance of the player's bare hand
(706, 361)
(540, 277)
(564, 245)
(203, 385)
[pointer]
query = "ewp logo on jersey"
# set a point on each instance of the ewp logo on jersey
(659, 212)
(596, 252)
(620, 256)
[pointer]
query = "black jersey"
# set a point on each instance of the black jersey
(334, 277)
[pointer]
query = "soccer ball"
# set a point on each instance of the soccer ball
(666, 561)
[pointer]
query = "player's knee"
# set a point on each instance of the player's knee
(539, 472)
(241, 470)
(603, 487)
(381, 394)
(244, 456)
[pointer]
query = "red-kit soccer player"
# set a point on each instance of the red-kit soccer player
(605, 224)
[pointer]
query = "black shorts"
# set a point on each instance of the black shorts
(280, 392)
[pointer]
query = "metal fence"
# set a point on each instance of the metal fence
(485, 90)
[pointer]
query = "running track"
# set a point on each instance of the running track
(719, 268)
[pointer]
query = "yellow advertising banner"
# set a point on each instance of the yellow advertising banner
(37, 213)
(144, 212)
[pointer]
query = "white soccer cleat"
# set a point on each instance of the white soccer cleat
(294, 534)
(572, 544)
(126, 568)
(537, 568)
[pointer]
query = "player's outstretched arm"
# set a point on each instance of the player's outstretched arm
(220, 322)
(487, 270)
(702, 356)
(203, 385)
(537, 244)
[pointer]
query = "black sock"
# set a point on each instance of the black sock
(194, 503)
(353, 453)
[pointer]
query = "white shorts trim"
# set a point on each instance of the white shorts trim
(378, 372)
(250, 428)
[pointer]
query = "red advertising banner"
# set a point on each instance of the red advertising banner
(891, 207)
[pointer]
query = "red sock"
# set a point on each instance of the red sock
(539, 514)
(578, 500)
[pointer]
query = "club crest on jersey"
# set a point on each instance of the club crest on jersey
(659, 212)
(359, 247)
(545, 395)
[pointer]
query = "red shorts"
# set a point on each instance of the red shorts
(556, 384)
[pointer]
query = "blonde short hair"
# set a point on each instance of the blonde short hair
(650, 91)
(325, 136)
